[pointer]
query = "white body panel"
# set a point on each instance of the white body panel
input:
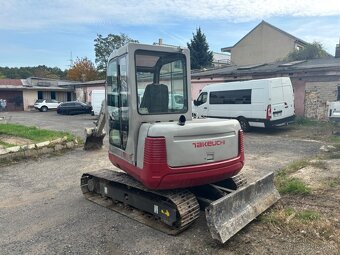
(97, 97)
(197, 142)
(334, 111)
(277, 92)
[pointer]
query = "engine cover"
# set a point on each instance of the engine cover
(197, 142)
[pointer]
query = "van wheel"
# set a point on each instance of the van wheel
(244, 124)
(44, 109)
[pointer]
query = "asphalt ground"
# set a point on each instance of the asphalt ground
(42, 210)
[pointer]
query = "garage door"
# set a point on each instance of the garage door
(14, 100)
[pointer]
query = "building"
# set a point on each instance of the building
(263, 44)
(21, 94)
(83, 90)
(220, 59)
(315, 82)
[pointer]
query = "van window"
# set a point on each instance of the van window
(242, 96)
(202, 98)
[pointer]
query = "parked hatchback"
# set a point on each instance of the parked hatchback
(74, 107)
(44, 105)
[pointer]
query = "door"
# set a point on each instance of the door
(117, 102)
(201, 105)
(288, 96)
(277, 101)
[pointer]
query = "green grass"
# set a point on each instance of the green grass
(304, 121)
(308, 215)
(334, 182)
(288, 185)
(6, 145)
(293, 186)
(282, 216)
(335, 140)
(33, 133)
(293, 167)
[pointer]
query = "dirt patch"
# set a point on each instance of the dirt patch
(319, 177)
(304, 224)
(15, 140)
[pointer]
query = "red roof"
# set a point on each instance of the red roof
(13, 82)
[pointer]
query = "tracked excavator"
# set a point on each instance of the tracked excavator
(172, 166)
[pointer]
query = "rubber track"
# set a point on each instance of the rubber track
(240, 180)
(183, 200)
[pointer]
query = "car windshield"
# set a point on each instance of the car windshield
(39, 101)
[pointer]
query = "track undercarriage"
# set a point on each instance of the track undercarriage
(172, 211)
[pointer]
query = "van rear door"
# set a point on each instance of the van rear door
(282, 99)
(288, 96)
(277, 101)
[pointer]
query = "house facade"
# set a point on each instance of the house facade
(21, 94)
(263, 44)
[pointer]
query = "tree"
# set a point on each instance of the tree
(200, 55)
(82, 70)
(310, 51)
(104, 46)
(41, 71)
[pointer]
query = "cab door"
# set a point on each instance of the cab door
(117, 103)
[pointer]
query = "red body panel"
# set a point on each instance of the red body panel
(157, 174)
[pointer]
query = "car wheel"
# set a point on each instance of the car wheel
(44, 109)
(244, 124)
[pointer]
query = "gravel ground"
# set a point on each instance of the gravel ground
(42, 210)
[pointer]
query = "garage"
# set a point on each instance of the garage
(14, 100)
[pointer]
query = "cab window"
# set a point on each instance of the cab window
(161, 82)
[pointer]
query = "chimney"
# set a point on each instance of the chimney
(337, 50)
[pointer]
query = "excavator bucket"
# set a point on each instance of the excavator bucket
(229, 214)
(93, 141)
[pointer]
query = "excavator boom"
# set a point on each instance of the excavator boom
(94, 136)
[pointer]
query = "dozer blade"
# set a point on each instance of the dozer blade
(229, 214)
(93, 141)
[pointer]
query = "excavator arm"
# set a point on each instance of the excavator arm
(94, 136)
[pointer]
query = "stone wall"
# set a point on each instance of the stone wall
(317, 95)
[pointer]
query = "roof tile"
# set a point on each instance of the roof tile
(13, 82)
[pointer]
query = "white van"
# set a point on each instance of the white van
(254, 103)
(97, 97)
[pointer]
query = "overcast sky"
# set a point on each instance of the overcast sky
(37, 32)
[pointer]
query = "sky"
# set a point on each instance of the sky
(52, 32)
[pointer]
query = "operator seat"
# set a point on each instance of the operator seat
(155, 98)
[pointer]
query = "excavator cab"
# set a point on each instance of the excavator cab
(139, 83)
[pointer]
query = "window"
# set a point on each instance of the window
(161, 82)
(231, 97)
(40, 95)
(69, 96)
(117, 102)
(338, 97)
(202, 98)
(53, 95)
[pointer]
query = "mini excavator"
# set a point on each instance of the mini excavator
(173, 166)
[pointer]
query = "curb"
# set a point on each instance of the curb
(33, 150)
